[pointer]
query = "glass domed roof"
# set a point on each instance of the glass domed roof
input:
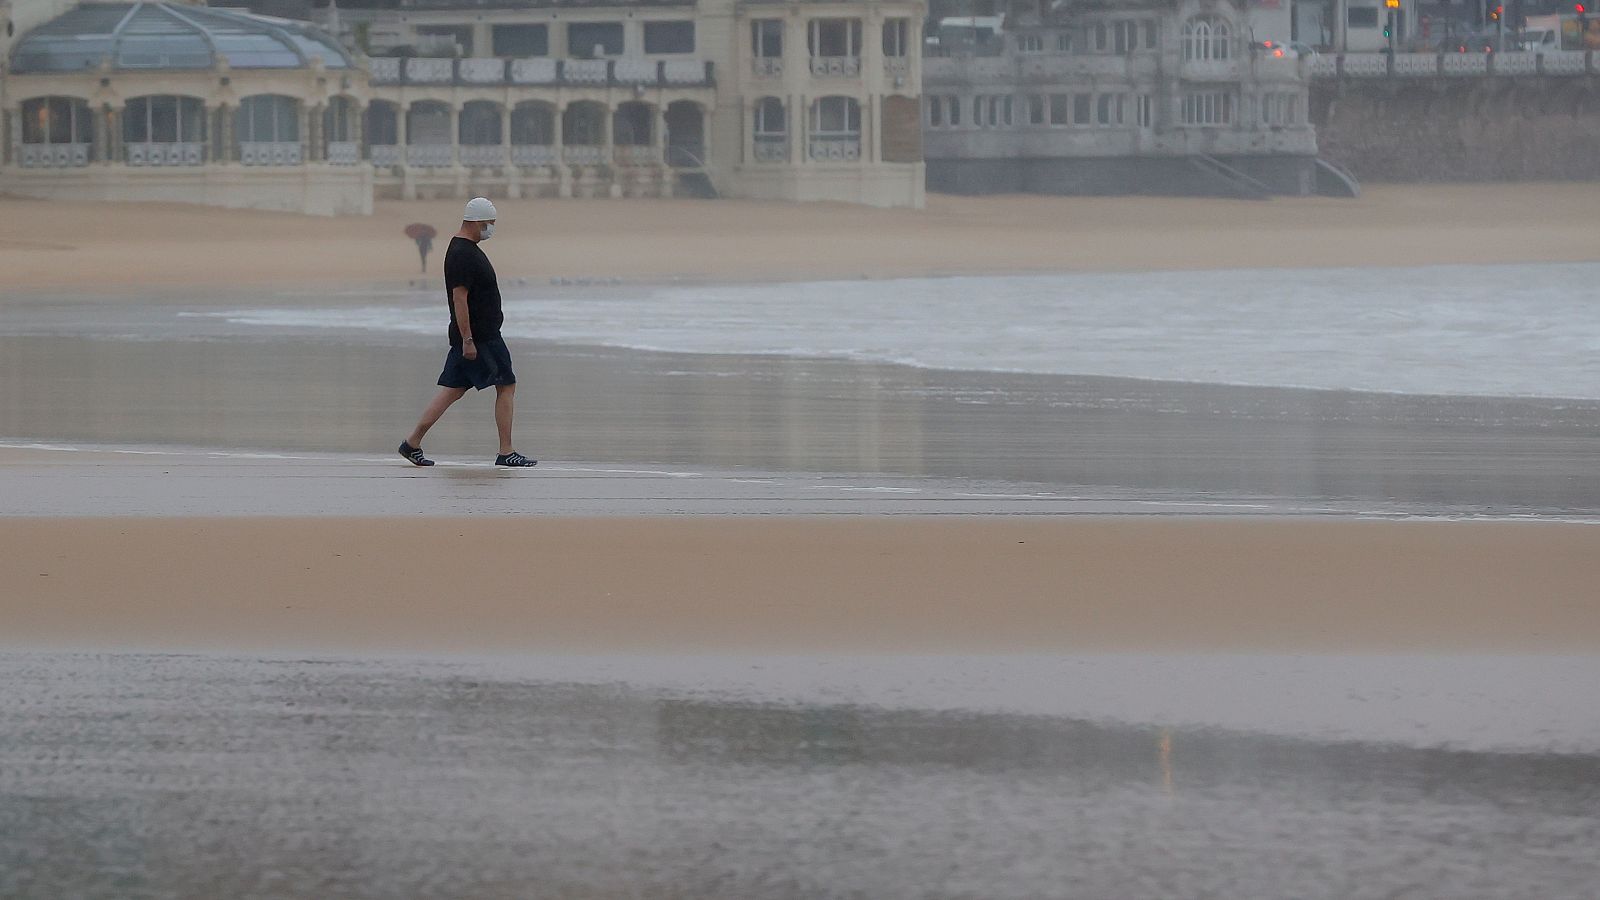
(153, 35)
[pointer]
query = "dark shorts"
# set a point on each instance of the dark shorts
(493, 366)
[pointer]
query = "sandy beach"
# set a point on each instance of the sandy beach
(127, 246)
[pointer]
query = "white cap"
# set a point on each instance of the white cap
(479, 209)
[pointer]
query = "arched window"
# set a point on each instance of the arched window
(630, 125)
(480, 124)
(771, 130)
(268, 130)
(339, 144)
(533, 134)
(57, 132)
(1206, 39)
(836, 129)
(583, 128)
(164, 130)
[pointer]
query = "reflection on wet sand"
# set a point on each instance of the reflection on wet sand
(773, 413)
(137, 777)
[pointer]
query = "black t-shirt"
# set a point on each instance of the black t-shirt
(465, 265)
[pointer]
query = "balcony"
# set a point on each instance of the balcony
(269, 153)
(836, 148)
(430, 156)
(767, 66)
(481, 155)
(533, 155)
(484, 71)
(344, 153)
(836, 66)
(385, 154)
(54, 156)
(772, 148)
(178, 153)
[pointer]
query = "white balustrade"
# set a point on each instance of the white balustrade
(897, 66)
(1465, 64)
(165, 154)
(635, 71)
(482, 155)
(1520, 63)
(269, 153)
(430, 156)
(1366, 65)
(684, 71)
(343, 153)
(533, 71)
(1325, 66)
(384, 154)
(533, 154)
(482, 71)
(1416, 65)
(836, 66)
(635, 154)
(583, 154)
(586, 71)
(1564, 62)
(428, 70)
(767, 66)
(384, 69)
(772, 148)
(831, 149)
(54, 156)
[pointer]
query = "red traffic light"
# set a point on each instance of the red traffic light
(1579, 8)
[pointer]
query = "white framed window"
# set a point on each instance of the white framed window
(766, 38)
(1206, 39)
(1060, 109)
(1030, 43)
(1209, 108)
(1102, 38)
(1145, 111)
(896, 33)
(1150, 40)
(770, 118)
(1124, 37)
(1108, 109)
(1082, 109)
(1036, 110)
(835, 38)
(836, 117)
(935, 111)
(955, 111)
(1280, 109)
(268, 118)
(1005, 110)
(1064, 42)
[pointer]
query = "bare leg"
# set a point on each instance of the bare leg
(505, 400)
(441, 402)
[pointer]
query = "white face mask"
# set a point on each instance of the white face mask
(488, 231)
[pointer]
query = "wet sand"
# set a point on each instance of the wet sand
(964, 584)
(115, 247)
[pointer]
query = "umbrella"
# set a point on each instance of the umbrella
(423, 234)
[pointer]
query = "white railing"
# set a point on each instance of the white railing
(54, 156)
(533, 154)
(165, 154)
(772, 148)
(836, 66)
(634, 71)
(426, 70)
(1210, 69)
(1374, 65)
(269, 153)
(1519, 63)
(836, 149)
(344, 153)
(897, 65)
(1325, 66)
(533, 71)
(586, 71)
(384, 69)
(767, 66)
(683, 71)
(1415, 65)
(583, 155)
(384, 154)
(482, 71)
(481, 155)
(1558, 62)
(635, 154)
(430, 155)
(1454, 64)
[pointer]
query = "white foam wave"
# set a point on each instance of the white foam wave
(1520, 330)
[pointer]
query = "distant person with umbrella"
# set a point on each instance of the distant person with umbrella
(423, 234)
(478, 357)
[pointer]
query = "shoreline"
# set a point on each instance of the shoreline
(106, 248)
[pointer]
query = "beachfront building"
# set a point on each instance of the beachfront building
(771, 99)
(1119, 96)
(175, 101)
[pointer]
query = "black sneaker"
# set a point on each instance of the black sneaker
(414, 455)
(515, 460)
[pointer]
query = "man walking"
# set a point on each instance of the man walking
(477, 357)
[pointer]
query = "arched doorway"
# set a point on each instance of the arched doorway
(686, 142)
(633, 134)
(429, 138)
(583, 130)
(533, 134)
(480, 135)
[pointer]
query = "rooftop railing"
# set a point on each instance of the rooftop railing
(420, 70)
(1520, 64)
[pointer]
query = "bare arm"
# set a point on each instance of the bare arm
(458, 299)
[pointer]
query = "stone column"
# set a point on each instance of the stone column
(229, 116)
(317, 137)
(114, 151)
(358, 130)
(505, 136)
(563, 174)
(608, 151)
(402, 137)
(455, 149)
(307, 137)
(799, 121)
